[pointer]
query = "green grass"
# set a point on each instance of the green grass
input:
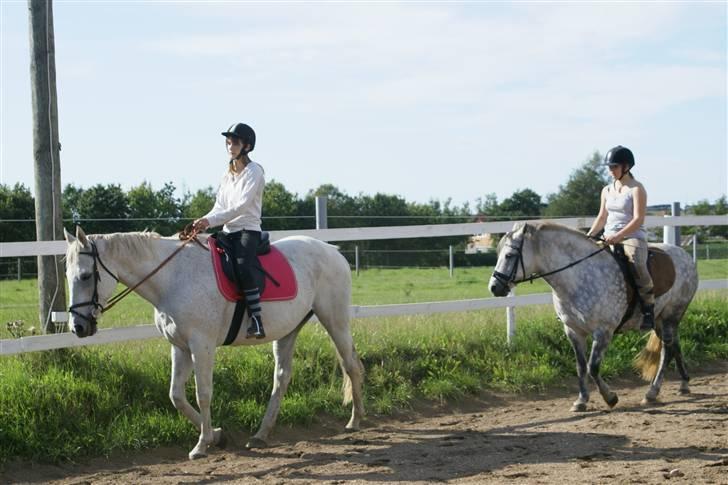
(72, 403)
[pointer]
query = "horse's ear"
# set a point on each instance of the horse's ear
(69, 237)
(81, 236)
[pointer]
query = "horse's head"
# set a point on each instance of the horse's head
(90, 288)
(511, 249)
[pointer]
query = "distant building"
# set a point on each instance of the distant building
(481, 243)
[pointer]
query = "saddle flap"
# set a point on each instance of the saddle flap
(662, 270)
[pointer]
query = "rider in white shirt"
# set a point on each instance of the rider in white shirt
(238, 206)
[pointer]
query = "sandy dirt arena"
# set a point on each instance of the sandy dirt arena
(496, 438)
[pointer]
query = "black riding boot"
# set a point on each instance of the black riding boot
(255, 330)
(648, 318)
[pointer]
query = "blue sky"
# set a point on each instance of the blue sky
(424, 100)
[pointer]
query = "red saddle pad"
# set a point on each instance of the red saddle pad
(275, 263)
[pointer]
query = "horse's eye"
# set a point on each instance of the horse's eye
(85, 276)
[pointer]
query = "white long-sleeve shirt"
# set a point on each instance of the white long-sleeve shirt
(239, 200)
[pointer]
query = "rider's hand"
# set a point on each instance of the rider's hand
(614, 239)
(201, 224)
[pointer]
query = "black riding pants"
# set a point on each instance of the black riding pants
(245, 243)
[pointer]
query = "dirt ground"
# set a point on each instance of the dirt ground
(492, 439)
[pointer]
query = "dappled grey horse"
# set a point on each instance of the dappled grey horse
(590, 296)
(191, 313)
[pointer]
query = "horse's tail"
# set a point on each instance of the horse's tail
(648, 359)
(347, 387)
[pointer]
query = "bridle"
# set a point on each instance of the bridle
(187, 235)
(94, 301)
(508, 279)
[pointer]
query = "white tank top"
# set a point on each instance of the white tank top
(620, 212)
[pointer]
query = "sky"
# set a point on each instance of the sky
(426, 100)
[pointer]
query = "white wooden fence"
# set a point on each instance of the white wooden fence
(141, 332)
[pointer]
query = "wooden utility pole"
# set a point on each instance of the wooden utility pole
(46, 152)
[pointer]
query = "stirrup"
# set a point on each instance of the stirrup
(255, 330)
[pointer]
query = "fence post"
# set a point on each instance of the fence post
(695, 248)
(510, 319)
(20, 275)
(321, 217)
(671, 234)
(356, 259)
(451, 263)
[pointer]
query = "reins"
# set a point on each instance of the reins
(536, 276)
(508, 279)
(188, 234)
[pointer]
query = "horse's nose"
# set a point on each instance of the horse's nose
(78, 329)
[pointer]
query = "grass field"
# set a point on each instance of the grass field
(60, 405)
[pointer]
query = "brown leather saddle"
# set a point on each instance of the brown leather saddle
(662, 271)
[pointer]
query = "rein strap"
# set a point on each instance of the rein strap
(186, 236)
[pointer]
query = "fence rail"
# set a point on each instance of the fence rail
(50, 248)
(144, 332)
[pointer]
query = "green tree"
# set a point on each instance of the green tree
(158, 211)
(199, 204)
(581, 194)
(279, 208)
(523, 203)
(103, 209)
(705, 208)
(17, 214)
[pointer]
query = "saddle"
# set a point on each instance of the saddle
(660, 267)
(270, 264)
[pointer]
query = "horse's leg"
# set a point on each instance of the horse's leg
(670, 348)
(283, 354)
(181, 371)
(203, 359)
(599, 347)
(578, 342)
(680, 364)
(335, 318)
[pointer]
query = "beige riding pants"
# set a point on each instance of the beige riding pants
(636, 252)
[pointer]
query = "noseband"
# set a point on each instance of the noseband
(94, 301)
(507, 279)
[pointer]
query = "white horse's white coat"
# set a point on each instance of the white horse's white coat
(194, 317)
(590, 298)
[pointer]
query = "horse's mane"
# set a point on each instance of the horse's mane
(550, 226)
(137, 243)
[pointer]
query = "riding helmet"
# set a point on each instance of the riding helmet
(242, 131)
(619, 155)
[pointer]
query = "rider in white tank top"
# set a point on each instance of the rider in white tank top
(620, 212)
(622, 215)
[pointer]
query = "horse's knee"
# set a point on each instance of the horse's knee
(178, 399)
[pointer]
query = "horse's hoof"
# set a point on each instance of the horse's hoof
(684, 390)
(578, 407)
(196, 455)
(218, 438)
(256, 443)
(612, 400)
(648, 401)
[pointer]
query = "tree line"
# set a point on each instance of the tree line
(108, 208)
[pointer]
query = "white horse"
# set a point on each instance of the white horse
(590, 298)
(190, 312)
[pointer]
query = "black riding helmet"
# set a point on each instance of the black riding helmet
(243, 132)
(619, 155)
